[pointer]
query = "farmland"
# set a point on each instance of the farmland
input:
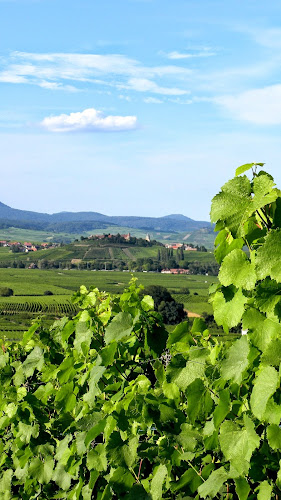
(29, 286)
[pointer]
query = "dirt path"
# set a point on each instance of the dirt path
(111, 252)
(128, 253)
(191, 314)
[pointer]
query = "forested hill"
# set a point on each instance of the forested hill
(36, 220)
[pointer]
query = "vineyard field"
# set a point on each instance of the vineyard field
(29, 285)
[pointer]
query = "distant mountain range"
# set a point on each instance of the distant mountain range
(74, 222)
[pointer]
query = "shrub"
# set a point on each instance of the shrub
(48, 292)
(6, 292)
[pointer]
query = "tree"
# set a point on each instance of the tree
(171, 311)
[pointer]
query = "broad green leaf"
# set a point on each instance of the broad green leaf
(237, 270)
(171, 391)
(95, 431)
(264, 191)
(96, 458)
(272, 413)
(65, 398)
(272, 354)
(180, 334)
(159, 474)
(34, 360)
(223, 408)
(265, 385)
(242, 488)
(122, 481)
(238, 445)
(120, 327)
(61, 477)
(107, 354)
(147, 303)
(5, 484)
(29, 334)
(42, 470)
(244, 168)
(274, 436)
(265, 490)
(185, 376)
(236, 362)
(198, 326)
(83, 334)
(228, 313)
(225, 244)
(268, 257)
(212, 486)
(199, 401)
(188, 437)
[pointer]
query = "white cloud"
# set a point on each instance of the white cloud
(260, 106)
(189, 55)
(152, 100)
(53, 70)
(145, 85)
(89, 120)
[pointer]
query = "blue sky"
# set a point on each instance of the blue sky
(135, 107)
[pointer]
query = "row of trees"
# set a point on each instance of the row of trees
(141, 264)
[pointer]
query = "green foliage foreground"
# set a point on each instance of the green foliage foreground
(90, 409)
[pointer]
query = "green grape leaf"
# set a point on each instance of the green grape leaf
(228, 313)
(247, 166)
(34, 360)
(107, 354)
(237, 270)
(61, 477)
(272, 353)
(265, 385)
(196, 399)
(232, 204)
(238, 445)
(96, 458)
(42, 470)
(215, 481)
(5, 484)
(264, 191)
(265, 490)
(147, 303)
(223, 408)
(156, 486)
(120, 327)
(272, 413)
(185, 376)
(268, 257)
(274, 436)
(236, 362)
(242, 488)
(225, 243)
(83, 333)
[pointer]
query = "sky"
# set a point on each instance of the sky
(135, 107)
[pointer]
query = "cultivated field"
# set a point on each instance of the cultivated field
(29, 286)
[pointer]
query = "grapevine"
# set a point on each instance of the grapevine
(107, 405)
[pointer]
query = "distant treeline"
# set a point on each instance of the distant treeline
(140, 264)
(113, 239)
(55, 227)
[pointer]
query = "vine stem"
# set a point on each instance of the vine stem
(139, 470)
(198, 474)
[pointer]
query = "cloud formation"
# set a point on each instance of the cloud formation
(89, 120)
(66, 71)
(259, 106)
(189, 55)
